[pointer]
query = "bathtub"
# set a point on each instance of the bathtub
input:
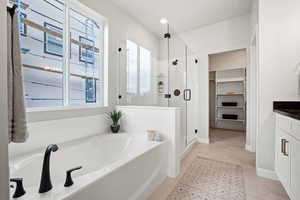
(114, 167)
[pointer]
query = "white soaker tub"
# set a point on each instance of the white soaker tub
(114, 167)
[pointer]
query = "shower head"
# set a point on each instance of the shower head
(175, 62)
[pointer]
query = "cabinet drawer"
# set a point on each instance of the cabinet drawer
(295, 128)
(284, 123)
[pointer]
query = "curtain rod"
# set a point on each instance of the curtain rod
(11, 10)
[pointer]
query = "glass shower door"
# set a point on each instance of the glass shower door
(192, 96)
(178, 93)
(183, 70)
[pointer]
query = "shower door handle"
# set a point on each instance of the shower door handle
(187, 94)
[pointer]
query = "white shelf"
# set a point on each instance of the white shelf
(237, 94)
(233, 80)
(231, 120)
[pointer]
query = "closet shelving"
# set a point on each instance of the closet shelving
(236, 94)
(230, 87)
(230, 107)
(231, 120)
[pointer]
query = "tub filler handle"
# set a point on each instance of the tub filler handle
(69, 181)
(19, 187)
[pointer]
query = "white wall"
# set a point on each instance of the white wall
(254, 14)
(3, 107)
(224, 36)
(228, 60)
(279, 47)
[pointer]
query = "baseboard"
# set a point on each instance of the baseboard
(249, 148)
(203, 140)
(265, 173)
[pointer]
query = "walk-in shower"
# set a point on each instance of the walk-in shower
(173, 82)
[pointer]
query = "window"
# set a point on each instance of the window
(132, 67)
(62, 52)
(145, 71)
(138, 69)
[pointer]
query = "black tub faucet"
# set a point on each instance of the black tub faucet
(19, 187)
(46, 184)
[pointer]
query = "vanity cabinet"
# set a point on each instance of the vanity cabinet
(295, 168)
(283, 158)
(287, 158)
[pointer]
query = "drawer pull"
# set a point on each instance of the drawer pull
(285, 145)
(282, 146)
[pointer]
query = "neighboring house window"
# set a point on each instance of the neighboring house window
(53, 44)
(86, 55)
(23, 27)
(138, 69)
(50, 77)
(90, 90)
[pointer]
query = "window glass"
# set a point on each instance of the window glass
(132, 67)
(145, 71)
(86, 61)
(138, 69)
(44, 54)
(42, 51)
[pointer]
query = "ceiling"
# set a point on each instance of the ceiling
(183, 15)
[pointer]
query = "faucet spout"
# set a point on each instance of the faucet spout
(46, 184)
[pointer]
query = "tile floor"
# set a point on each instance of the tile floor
(228, 146)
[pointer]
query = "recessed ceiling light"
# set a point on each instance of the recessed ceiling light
(163, 21)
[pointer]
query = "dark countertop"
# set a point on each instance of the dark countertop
(287, 108)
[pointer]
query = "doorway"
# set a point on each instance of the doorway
(227, 96)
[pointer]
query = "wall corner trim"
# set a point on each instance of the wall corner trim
(265, 173)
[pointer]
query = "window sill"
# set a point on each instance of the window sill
(63, 108)
(55, 113)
